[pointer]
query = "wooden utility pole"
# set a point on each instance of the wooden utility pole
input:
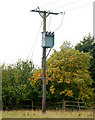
(44, 15)
(44, 70)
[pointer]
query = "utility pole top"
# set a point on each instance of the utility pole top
(44, 12)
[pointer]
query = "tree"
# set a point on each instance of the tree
(92, 69)
(15, 84)
(68, 75)
(88, 45)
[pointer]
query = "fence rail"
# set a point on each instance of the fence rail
(65, 105)
(56, 105)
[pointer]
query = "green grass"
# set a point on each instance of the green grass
(49, 114)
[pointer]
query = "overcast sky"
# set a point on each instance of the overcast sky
(20, 29)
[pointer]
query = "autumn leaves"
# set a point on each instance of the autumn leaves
(67, 75)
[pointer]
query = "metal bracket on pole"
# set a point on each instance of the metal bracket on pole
(44, 12)
(42, 77)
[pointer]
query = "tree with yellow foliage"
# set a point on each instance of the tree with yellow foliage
(67, 75)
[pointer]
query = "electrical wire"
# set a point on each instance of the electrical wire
(49, 23)
(78, 7)
(48, 53)
(61, 22)
(34, 43)
(49, 3)
(67, 4)
(66, 11)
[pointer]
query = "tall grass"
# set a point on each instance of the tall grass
(49, 114)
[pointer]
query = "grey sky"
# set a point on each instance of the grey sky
(20, 30)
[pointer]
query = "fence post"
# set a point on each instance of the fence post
(32, 105)
(78, 105)
(85, 106)
(63, 104)
(2, 105)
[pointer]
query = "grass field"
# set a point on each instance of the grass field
(49, 114)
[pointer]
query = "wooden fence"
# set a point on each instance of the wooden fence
(55, 105)
(65, 105)
(74, 105)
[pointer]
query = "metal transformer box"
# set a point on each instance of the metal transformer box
(47, 39)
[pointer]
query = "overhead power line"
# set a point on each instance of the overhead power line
(67, 4)
(60, 23)
(50, 3)
(67, 10)
(34, 43)
(49, 23)
(74, 8)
